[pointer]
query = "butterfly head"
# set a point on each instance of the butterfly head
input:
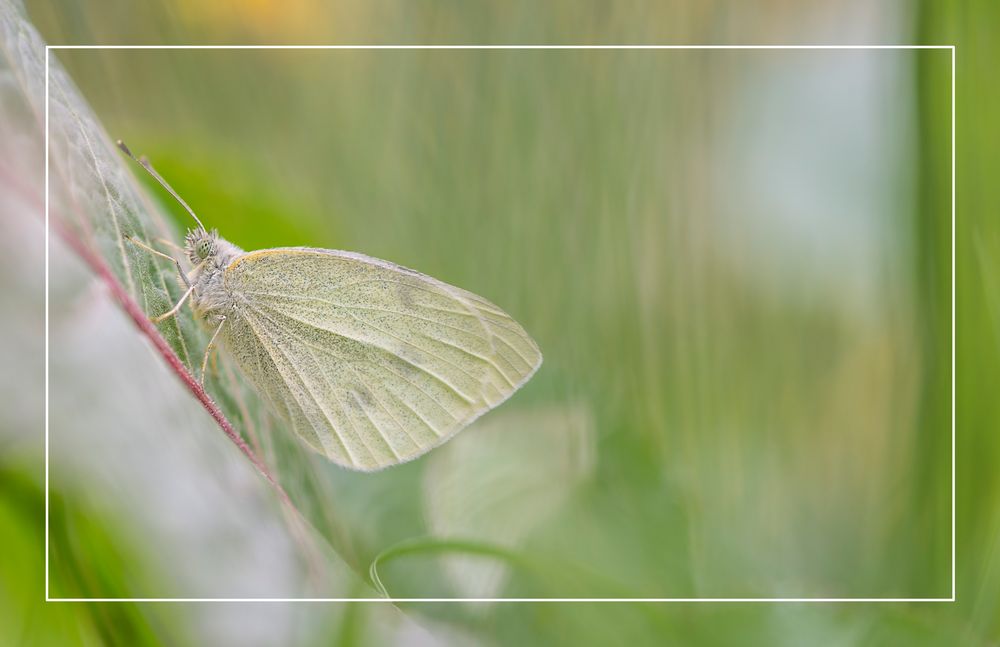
(201, 245)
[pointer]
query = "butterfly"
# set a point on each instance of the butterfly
(369, 363)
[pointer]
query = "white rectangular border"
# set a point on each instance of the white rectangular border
(502, 47)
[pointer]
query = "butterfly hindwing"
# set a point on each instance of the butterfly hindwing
(372, 364)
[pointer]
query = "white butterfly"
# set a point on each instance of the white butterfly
(371, 364)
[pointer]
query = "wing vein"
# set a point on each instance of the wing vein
(333, 427)
(371, 391)
(420, 348)
(347, 414)
(423, 369)
(385, 367)
(372, 308)
(517, 352)
(382, 435)
(477, 356)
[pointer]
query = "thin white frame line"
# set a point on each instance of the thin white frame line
(502, 47)
(451, 600)
(46, 156)
(954, 330)
(48, 598)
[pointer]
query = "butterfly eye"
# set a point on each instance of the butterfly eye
(204, 248)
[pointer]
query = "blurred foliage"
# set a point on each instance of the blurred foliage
(82, 538)
(748, 435)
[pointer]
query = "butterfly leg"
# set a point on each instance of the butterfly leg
(175, 309)
(210, 347)
(177, 264)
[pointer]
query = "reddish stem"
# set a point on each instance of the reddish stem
(141, 320)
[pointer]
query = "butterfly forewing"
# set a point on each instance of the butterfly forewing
(372, 364)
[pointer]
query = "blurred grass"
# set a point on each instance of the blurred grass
(972, 27)
(748, 443)
(89, 537)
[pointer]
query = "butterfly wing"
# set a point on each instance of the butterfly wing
(372, 364)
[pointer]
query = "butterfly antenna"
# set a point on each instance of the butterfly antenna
(144, 163)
